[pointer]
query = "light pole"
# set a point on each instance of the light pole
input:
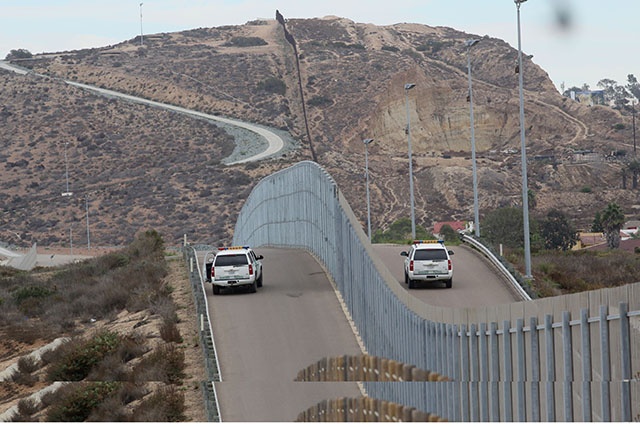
(525, 191)
(407, 87)
(66, 171)
(141, 36)
(366, 172)
(476, 213)
(86, 207)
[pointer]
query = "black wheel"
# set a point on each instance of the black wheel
(449, 283)
(216, 290)
(253, 288)
(260, 281)
(406, 278)
(411, 284)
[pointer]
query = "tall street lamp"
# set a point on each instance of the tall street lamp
(407, 87)
(141, 36)
(66, 171)
(476, 213)
(366, 172)
(525, 191)
(86, 207)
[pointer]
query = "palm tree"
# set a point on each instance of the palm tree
(612, 222)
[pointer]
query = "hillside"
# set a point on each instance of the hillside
(142, 167)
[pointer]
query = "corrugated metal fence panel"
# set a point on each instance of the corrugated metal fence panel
(528, 361)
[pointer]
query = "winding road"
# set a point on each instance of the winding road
(274, 142)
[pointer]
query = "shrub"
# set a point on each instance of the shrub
(318, 101)
(76, 364)
(165, 405)
(78, 404)
(246, 42)
(273, 85)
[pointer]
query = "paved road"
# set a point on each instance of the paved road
(475, 282)
(274, 142)
(264, 339)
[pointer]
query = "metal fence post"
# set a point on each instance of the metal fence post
(484, 373)
(551, 367)
(508, 372)
(625, 358)
(535, 370)
(586, 365)
(464, 351)
(522, 371)
(567, 355)
(605, 365)
(474, 380)
(495, 372)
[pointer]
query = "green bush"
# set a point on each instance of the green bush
(400, 232)
(246, 42)
(76, 364)
(273, 85)
(77, 405)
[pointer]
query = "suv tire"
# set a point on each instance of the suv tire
(216, 290)
(449, 283)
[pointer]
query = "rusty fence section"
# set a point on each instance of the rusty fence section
(567, 358)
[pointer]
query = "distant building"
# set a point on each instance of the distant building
(457, 226)
(589, 97)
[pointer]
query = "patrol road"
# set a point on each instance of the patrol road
(475, 282)
(264, 339)
(295, 319)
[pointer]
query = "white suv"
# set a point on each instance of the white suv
(234, 267)
(427, 261)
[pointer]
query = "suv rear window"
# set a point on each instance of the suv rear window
(430, 255)
(228, 260)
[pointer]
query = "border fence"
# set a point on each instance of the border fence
(567, 358)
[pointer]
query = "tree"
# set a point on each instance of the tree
(400, 231)
(449, 234)
(504, 225)
(612, 222)
(596, 227)
(18, 54)
(633, 86)
(557, 231)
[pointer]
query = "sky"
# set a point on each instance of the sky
(575, 41)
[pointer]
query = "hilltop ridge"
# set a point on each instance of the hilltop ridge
(148, 168)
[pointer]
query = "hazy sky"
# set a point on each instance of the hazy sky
(599, 41)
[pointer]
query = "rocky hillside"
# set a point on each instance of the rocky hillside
(141, 167)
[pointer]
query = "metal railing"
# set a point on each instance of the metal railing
(567, 358)
(207, 342)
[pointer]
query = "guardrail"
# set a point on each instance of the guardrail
(515, 285)
(568, 358)
(206, 335)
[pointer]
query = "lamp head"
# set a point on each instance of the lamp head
(367, 141)
(471, 42)
(408, 86)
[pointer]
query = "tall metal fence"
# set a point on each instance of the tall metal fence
(567, 358)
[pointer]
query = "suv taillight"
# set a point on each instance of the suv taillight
(449, 265)
(213, 271)
(411, 265)
(250, 269)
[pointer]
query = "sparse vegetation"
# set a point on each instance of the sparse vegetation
(107, 370)
(400, 232)
(246, 41)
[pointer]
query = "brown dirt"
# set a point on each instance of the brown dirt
(11, 351)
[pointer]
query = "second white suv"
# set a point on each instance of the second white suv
(234, 267)
(427, 261)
